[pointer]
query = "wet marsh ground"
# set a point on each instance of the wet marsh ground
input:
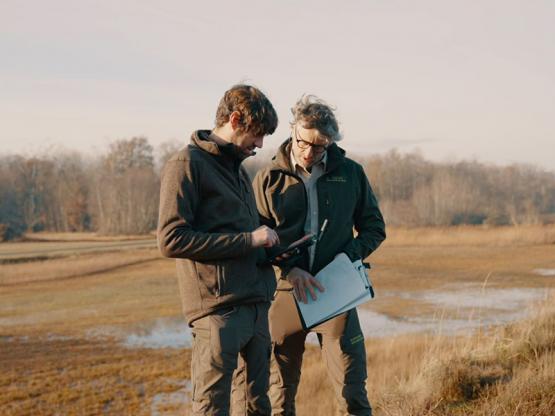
(102, 333)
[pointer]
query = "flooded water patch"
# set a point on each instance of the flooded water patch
(375, 325)
(164, 333)
(478, 308)
(161, 333)
(489, 298)
(172, 399)
(475, 308)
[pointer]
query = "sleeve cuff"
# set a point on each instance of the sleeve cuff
(248, 241)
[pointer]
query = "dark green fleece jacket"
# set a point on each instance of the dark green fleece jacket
(345, 199)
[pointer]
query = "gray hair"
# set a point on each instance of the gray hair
(314, 113)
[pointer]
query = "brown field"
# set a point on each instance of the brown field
(82, 236)
(62, 322)
(39, 248)
(473, 236)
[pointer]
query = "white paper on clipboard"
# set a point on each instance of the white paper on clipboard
(346, 286)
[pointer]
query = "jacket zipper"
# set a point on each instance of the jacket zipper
(326, 203)
(243, 192)
(298, 178)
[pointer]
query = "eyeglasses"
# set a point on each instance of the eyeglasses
(303, 144)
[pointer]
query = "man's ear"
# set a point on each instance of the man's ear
(235, 120)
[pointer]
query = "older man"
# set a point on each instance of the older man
(309, 181)
(209, 223)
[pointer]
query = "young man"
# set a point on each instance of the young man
(309, 181)
(208, 221)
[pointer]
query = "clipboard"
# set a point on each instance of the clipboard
(287, 316)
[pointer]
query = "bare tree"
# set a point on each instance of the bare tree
(118, 192)
(12, 222)
(166, 150)
(126, 188)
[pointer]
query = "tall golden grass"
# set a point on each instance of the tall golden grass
(504, 371)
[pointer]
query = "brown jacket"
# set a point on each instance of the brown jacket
(345, 198)
(207, 211)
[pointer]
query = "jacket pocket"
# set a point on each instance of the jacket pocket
(209, 277)
(238, 276)
(229, 276)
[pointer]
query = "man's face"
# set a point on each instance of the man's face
(247, 143)
(308, 145)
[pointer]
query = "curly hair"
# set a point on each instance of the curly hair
(258, 115)
(314, 113)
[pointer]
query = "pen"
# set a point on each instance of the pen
(324, 225)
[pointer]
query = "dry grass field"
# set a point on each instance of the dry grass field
(64, 322)
(48, 248)
(504, 371)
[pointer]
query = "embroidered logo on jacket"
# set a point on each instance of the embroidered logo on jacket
(356, 339)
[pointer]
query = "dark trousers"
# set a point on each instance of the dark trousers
(218, 340)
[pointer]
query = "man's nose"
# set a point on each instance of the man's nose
(259, 142)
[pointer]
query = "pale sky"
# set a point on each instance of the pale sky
(453, 79)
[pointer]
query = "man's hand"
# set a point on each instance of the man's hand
(303, 281)
(264, 237)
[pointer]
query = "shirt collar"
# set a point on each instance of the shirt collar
(296, 166)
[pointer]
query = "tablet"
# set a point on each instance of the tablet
(294, 248)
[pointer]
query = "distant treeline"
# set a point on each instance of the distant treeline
(117, 193)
